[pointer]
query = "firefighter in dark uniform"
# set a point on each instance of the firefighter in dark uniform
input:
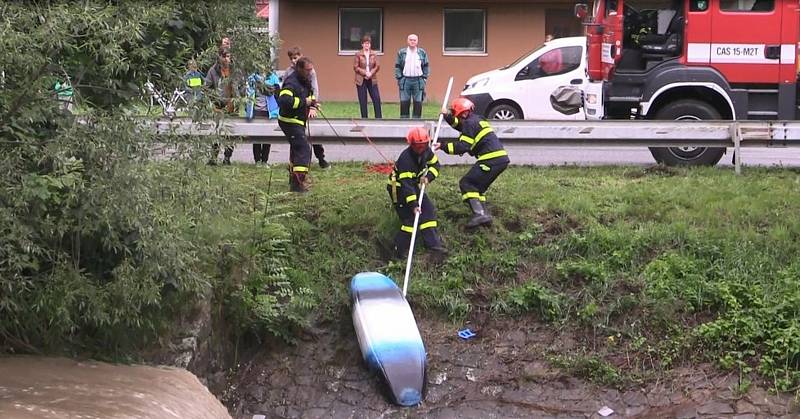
(479, 140)
(296, 104)
(417, 165)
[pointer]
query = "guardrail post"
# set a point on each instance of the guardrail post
(736, 136)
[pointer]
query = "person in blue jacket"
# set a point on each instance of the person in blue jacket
(261, 89)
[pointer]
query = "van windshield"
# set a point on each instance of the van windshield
(522, 57)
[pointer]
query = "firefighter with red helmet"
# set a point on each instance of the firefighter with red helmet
(417, 165)
(479, 140)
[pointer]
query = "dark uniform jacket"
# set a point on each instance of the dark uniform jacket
(292, 100)
(477, 138)
(407, 173)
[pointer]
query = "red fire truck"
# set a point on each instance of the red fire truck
(691, 60)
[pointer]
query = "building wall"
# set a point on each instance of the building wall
(511, 30)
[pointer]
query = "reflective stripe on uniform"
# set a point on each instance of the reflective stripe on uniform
(300, 169)
(429, 224)
(450, 148)
(286, 92)
(194, 82)
(433, 159)
(296, 103)
(406, 175)
(411, 198)
(471, 195)
(467, 139)
(492, 155)
(407, 229)
(434, 170)
(291, 120)
(481, 135)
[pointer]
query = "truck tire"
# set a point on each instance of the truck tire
(683, 110)
(504, 111)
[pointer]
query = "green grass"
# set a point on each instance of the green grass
(347, 110)
(650, 266)
(430, 110)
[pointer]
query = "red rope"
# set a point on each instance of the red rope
(383, 168)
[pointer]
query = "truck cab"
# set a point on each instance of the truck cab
(692, 60)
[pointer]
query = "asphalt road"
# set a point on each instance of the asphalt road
(537, 156)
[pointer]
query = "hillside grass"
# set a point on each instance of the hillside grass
(662, 265)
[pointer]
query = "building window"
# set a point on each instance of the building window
(747, 5)
(355, 23)
(465, 30)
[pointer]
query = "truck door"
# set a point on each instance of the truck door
(698, 34)
(746, 40)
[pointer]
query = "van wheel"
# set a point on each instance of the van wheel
(688, 110)
(504, 111)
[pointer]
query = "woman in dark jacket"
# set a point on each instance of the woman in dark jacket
(366, 67)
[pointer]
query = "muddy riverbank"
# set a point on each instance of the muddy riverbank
(502, 373)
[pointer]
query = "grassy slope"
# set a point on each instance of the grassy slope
(655, 263)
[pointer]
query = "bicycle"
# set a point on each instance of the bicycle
(169, 108)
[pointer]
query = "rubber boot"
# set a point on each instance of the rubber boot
(405, 105)
(298, 182)
(417, 112)
(479, 216)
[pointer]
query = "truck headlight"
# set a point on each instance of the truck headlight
(591, 99)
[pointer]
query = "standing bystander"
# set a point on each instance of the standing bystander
(224, 86)
(366, 67)
(411, 69)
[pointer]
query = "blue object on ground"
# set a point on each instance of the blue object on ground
(466, 334)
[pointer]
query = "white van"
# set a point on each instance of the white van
(521, 90)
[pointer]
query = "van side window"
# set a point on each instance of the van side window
(747, 5)
(552, 63)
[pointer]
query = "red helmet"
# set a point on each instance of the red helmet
(418, 139)
(461, 105)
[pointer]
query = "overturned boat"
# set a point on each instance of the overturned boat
(388, 336)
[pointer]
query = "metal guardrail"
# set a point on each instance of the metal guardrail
(736, 134)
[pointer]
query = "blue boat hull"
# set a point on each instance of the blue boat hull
(388, 336)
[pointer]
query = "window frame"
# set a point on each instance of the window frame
(774, 7)
(447, 52)
(340, 51)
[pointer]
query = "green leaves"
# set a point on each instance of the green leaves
(99, 246)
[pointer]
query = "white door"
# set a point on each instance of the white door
(541, 76)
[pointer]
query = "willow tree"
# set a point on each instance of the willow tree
(91, 254)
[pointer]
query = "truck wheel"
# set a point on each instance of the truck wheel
(687, 110)
(504, 111)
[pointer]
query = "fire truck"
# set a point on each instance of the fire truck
(691, 60)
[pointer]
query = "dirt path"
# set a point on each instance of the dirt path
(500, 374)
